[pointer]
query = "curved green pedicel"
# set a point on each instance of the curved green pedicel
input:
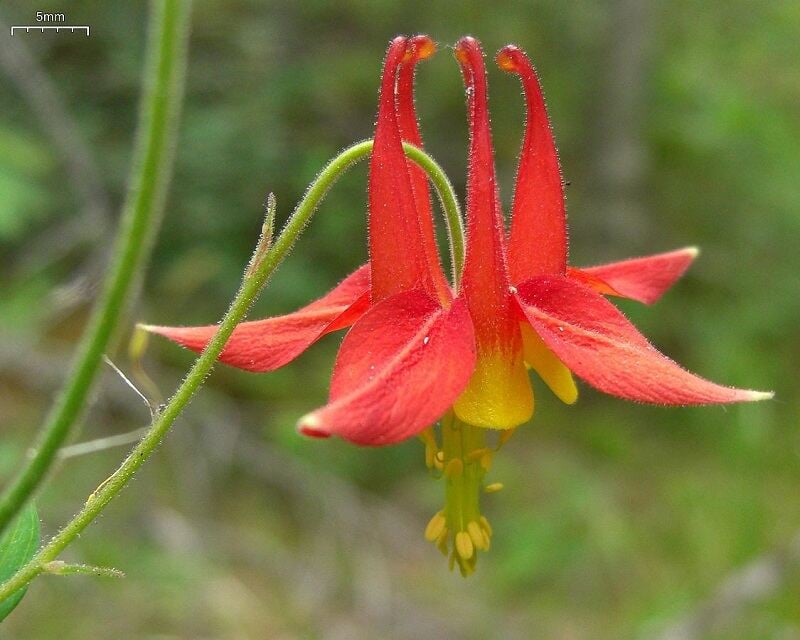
(441, 184)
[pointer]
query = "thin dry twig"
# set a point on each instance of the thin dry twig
(101, 444)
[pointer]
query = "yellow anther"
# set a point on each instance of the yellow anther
(486, 526)
(441, 541)
(487, 541)
(454, 468)
(477, 454)
(505, 436)
(467, 567)
(430, 455)
(486, 461)
(438, 460)
(464, 545)
(435, 527)
(493, 488)
(476, 534)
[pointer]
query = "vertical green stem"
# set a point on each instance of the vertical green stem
(150, 176)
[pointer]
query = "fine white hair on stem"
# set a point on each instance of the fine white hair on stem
(128, 382)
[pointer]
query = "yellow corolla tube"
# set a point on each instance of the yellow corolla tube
(499, 394)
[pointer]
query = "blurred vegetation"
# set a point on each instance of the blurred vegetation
(677, 123)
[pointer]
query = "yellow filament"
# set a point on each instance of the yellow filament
(430, 455)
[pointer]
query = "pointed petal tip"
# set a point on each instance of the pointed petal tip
(757, 396)
(161, 330)
(692, 252)
(733, 396)
(310, 425)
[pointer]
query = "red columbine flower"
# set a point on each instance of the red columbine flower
(420, 352)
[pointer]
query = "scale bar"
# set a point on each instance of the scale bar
(38, 27)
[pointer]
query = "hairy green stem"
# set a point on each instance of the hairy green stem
(260, 268)
(150, 177)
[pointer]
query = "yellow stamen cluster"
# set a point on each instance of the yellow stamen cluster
(459, 530)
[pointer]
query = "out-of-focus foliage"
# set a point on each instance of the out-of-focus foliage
(677, 123)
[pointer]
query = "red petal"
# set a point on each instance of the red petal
(420, 48)
(600, 345)
(485, 283)
(397, 254)
(643, 279)
(266, 345)
(538, 241)
(485, 280)
(399, 369)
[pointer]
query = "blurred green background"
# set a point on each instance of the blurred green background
(677, 123)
